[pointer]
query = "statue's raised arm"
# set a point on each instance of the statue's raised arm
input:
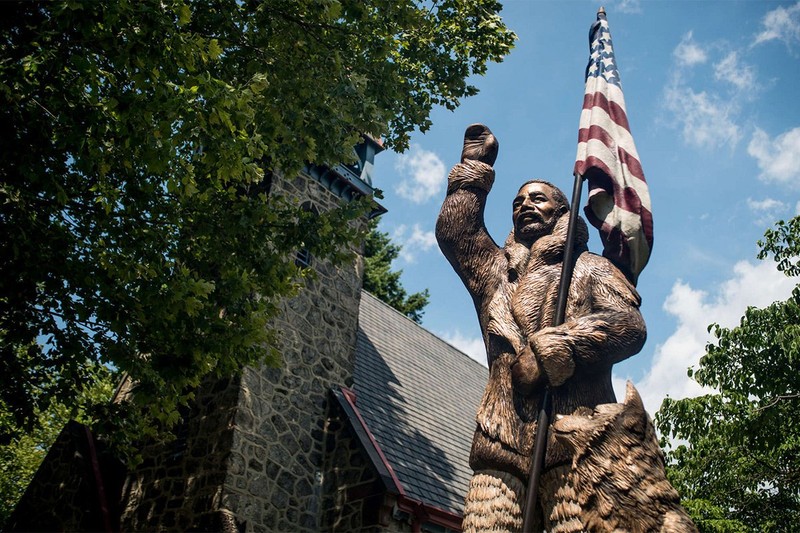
(460, 229)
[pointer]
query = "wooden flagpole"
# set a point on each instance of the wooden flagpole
(545, 407)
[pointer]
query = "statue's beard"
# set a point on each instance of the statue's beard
(532, 230)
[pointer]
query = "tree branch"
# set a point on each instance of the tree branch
(777, 400)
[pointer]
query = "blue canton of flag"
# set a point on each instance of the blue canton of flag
(601, 59)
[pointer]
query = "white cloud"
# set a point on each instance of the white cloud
(472, 346)
(629, 6)
(688, 53)
(733, 71)
(706, 120)
(411, 244)
(779, 158)
(767, 203)
(766, 211)
(751, 285)
(797, 209)
(783, 24)
(427, 177)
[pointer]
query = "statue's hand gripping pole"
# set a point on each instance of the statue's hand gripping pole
(545, 407)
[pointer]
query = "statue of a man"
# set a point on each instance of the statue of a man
(514, 289)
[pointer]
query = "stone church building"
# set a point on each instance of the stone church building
(366, 426)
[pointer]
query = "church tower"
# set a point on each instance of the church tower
(251, 453)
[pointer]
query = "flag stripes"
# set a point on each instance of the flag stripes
(619, 199)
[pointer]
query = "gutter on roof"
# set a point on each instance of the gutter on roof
(420, 512)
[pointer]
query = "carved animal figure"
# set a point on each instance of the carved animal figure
(616, 481)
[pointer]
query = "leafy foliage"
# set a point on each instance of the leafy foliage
(783, 243)
(740, 470)
(21, 457)
(381, 281)
(140, 140)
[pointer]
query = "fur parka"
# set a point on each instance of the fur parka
(514, 289)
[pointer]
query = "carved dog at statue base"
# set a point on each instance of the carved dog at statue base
(616, 481)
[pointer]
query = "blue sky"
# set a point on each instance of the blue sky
(712, 97)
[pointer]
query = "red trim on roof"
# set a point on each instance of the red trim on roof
(350, 396)
(420, 511)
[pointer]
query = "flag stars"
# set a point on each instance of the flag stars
(603, 65)
(601, 58)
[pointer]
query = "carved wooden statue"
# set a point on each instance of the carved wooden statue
(514, 289)
(616, 479)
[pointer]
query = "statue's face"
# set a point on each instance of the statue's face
(534, 211)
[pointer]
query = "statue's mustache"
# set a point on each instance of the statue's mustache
(530, 215)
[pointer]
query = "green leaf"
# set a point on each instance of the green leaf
(184, 14)
(138, 219)
(738, 471)
(214, 50)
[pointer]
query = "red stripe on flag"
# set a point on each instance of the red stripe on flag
(615, 245)
(614, 110)
(625, 198)
(629, 201)
(647, 226)
(600, 134)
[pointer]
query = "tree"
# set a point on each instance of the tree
(381, 281)
(140, 139)
(740, 467)
(21, 457)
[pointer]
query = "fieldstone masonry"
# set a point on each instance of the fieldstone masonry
(354, 498)
(179, 486)
(253, 453)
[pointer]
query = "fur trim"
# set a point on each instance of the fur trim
(493, 503)
(470, 173)
(546, 250)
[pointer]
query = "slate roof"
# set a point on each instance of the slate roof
(418, 396)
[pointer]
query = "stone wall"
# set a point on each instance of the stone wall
(179, 485)
(251, 456)
(354, 495)
(276, 466)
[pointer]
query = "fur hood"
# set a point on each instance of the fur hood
(547, 250)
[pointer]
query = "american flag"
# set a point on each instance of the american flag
(619, 202)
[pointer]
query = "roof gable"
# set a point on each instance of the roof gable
(418, 396)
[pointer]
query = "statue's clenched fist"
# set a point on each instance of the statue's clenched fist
(526, 372)
(548, 358)
(480, 144)
(553, 347)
